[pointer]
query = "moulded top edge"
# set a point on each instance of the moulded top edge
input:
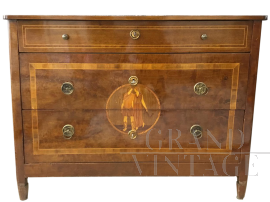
(135, 17)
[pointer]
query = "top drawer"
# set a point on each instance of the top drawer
(154, 36)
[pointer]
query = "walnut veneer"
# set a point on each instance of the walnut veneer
(133, 95)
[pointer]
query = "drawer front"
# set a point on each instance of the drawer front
(98, 132)
(154, 36)
(100, 85)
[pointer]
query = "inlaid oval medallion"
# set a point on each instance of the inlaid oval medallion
(133, 108)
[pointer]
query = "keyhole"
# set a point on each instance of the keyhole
(133, 80)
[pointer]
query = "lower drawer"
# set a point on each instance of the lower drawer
(102, 135)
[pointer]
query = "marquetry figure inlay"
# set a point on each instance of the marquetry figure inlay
(125, 66)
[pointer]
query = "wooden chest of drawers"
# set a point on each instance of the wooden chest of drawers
(133, 95)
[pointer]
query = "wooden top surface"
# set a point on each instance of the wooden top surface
(167, 17)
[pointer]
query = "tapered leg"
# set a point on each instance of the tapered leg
(241, 185)
(23, 190)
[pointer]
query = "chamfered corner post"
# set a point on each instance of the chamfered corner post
(17, 109)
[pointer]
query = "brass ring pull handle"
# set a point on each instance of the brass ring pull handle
(132, 134)
(68, 131)
(196, 131)
(200, 88)
(135, 34)
(67, 88)
(204, 36)
(133, 80)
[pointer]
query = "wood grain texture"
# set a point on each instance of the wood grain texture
(129, 169)
(179, 157)
(98, 58)
(173, 84)
(241, 188)
(95, 135)
(16, 108)
(155, 37)
(137, 17)
(172, 80)
(23, 190)
(253, 69)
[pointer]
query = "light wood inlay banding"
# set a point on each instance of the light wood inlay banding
(36, 66)
(67, 29)
(234, 88)
(162, 37)
(230, 130)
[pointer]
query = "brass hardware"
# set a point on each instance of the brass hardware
(134, 34)
(67, 88)
(132, 134)
(68, 131)
(200, 88)
(204, 36)
(65, 36)
(196, 131)
(133, 80)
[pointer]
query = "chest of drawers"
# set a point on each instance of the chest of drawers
(133, 95)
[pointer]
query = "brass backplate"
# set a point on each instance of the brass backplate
(135, 34)
(68, 131)
(132, 134)
(200, 88)
(196, 131)
(133, 80)
(67, 88)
